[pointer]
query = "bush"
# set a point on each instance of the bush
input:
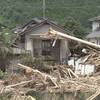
(5, 47)
(28, 60)
(1, 74)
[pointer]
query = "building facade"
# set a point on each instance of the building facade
(33, 37)
(94, 35)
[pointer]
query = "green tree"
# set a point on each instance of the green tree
(75, 28)
(4, 50)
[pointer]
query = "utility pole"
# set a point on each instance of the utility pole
(44, 8)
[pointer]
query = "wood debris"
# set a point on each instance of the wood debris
(93, 58)
(94, 95)
(61, 79)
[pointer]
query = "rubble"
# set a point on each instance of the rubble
(60, 80)
(93, 58)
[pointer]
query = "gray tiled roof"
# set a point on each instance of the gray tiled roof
(95, 34)
(35, 23)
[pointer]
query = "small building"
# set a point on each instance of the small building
(94, 36)
(33, 37)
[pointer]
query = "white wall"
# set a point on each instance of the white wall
(28, 43)
(95, 25)
(81, 69)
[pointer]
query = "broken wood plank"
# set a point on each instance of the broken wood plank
(73, 73)
(69, 73)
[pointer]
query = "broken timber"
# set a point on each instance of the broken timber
(44, 75)
(53, 32)
(94, 95)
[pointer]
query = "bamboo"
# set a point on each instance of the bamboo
(53, 32)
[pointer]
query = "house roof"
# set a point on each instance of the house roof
(95, 34)
(35, 23)
(95, 19)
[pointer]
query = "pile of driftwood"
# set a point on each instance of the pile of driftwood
(64, 71)
(62, 79)
(93, 58)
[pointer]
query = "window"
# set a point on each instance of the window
(46, 47)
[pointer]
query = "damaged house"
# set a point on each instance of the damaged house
(94, 36)
(33, 37)
(36, 38)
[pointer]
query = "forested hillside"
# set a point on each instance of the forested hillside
(16, 12)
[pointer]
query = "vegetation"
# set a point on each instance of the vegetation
(1, 74)
(16, 12)
(39, 63)
(75, 27)
(4, 48)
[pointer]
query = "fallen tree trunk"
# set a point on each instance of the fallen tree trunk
(53, 32)
(10, 88)
(44, 75)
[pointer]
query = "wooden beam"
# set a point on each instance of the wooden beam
(53, 32)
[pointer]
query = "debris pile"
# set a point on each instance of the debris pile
(93, 58)
(61, 79)
(64, 71)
